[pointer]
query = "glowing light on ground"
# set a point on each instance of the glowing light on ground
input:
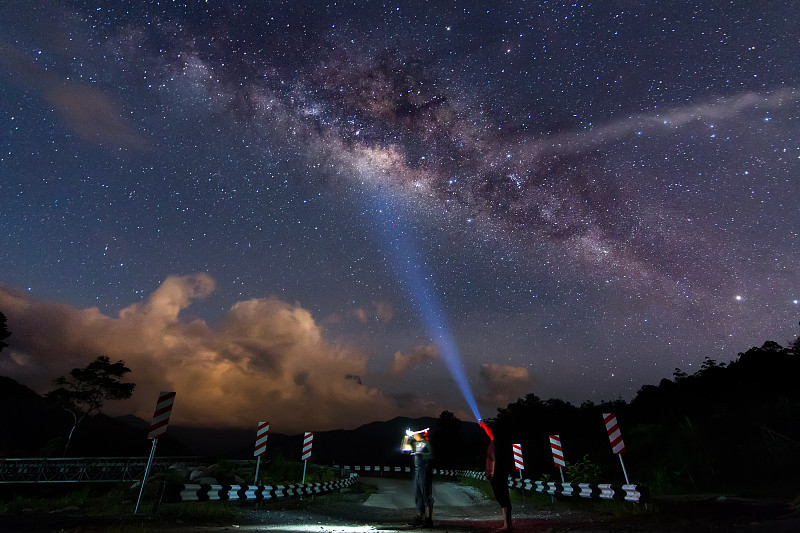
(317, 528)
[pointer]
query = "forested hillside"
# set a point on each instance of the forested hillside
(727, 426)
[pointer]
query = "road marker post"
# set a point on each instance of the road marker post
(308, 441)
(158, 427)
(615, 437)
(262, 432)
(558, 454)
(518, 462)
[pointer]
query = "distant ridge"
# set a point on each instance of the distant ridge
(36, 429)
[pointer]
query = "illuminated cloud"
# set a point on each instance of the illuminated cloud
(267, 359)
(383, 312)
(361, 315)
(504, 383)
(405, 362)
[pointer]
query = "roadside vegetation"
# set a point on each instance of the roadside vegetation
(30, 504)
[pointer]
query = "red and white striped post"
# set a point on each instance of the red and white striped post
(615, 437)
(262, 432)
(308, 440)
(558, 454)
(158, 426)
(518, 463)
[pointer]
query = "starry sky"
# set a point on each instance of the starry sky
(321, 214)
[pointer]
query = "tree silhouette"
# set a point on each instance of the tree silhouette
(87, 389)
(727, 424)
(794, 347)
(4, 333)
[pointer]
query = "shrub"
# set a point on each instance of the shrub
(583, 471)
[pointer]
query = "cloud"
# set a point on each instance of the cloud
(361, 315)
(85, 109)
(93, 115)
(614, 131)
(504, 383)
(383, 312)
(266, 360)
(405, 362)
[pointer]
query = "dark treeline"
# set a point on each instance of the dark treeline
(733, 426)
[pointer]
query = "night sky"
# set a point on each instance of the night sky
(312, 212)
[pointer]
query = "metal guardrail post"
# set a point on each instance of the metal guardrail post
(159, 496)
(79, 469)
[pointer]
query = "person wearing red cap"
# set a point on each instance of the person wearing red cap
(497, 472)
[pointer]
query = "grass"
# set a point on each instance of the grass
(104, 500)
(481, 485)
(50, 499)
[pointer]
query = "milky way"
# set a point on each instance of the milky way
(597, 193)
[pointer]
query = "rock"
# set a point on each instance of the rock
(68, 509)
(198, 473)
(208, 480)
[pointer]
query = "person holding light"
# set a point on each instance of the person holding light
(417, 443)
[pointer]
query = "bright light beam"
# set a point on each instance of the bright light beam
(409, 267)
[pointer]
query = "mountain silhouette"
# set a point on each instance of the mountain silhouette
(39, 429)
